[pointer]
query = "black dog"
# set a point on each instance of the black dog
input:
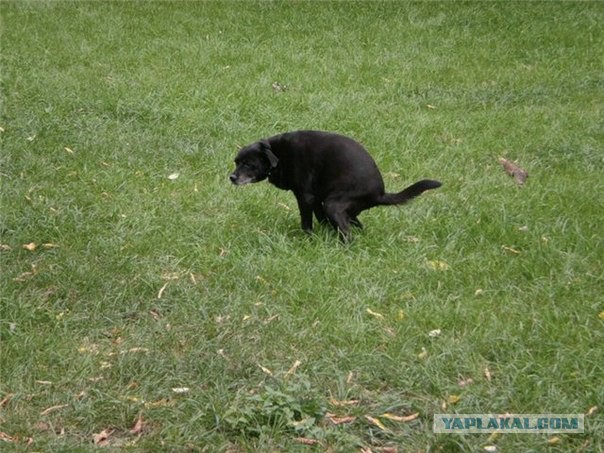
(330, 175)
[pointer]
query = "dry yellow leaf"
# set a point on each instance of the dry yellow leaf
(554, 440)
(52, 409)
(265, 370)
(376, 422)
(401, 418)
(438, 265)
(335, 402)
(31, 246)
(423, 354)
(601, 315)
(453, 399)
(293, 368)
(400, 315)
(375, 314)
(162, 289)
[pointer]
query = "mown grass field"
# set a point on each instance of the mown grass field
(146, 299)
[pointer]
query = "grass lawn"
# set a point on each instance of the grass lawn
(148, 304)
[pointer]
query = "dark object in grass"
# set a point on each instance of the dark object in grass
(514, 170)
(332, 176)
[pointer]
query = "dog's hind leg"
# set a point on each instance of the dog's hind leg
(319, 212)
(339, 218)
(354, 221)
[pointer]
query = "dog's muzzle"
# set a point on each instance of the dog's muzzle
(240, 180)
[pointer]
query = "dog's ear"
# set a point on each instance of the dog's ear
(266, 148)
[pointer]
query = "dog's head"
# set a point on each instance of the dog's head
(253, 163)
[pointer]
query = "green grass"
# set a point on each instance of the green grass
(102, 101)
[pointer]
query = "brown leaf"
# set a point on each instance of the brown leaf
(514, 170)
(306, 441)
(6, 399)
(52, 409)
(339, 420)
(102, 439)
(138, 426)
(592, 410)
(6, 438)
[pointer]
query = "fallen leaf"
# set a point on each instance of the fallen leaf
(43, 382)
(438, 265)
(136, 350)
(293, 368)
(478, 292)
(53, 409)
(5, 247)
(306, 441)
(487, 374)
(49, 245)
(453, 399)
(31, 246)
(180, 390)
(490, 448)
(138, 426)
(434, 333)
(465, 382)
(69, 150)
(265, 370)
(554, 440)
(375, 314)
(399, 418)
(514, 170)
(6, 399)
(173, 176)
(340, 420)
(278, 86)
(400, 315)
(159, 403)
(510, 249)
(344, 403)
(102, 439)
(24, 277)
(430, 106)
(423, 354)
(601, 315)
(162, 289)
(6, 438)
(592, 410)
(376, 422)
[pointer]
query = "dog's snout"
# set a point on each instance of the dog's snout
(233, 178)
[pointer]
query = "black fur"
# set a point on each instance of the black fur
(331, 175)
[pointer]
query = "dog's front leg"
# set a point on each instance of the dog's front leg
(305, 207)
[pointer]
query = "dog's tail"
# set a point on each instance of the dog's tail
(409, 193)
